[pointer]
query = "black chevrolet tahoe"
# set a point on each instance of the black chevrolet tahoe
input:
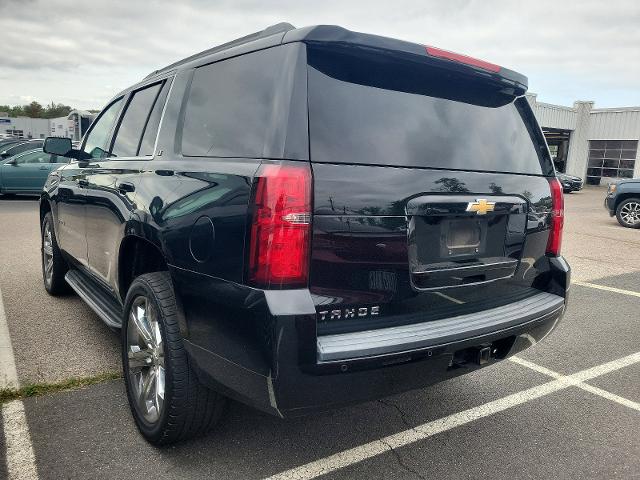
(306, 218)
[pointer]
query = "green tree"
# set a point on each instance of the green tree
(33, 110)
(55, 110)
(12, 111)
(17, 111)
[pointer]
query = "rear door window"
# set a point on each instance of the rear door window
(374, 109)
(135, 118)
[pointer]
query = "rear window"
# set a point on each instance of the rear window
(379, 109)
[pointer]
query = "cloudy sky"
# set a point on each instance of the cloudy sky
(82, 52)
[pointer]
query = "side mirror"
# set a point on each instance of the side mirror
(13, 163)
(57, 146)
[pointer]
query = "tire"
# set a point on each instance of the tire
(628, 213)
(54, 266)
(185, 408)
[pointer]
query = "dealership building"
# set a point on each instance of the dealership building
(597, 144)
(24, 126)
(72, 126)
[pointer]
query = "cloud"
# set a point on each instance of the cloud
(69, 50)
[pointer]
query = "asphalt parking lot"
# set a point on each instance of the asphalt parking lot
(568, 408)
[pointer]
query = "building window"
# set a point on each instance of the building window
(612, 158)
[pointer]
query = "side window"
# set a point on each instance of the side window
(135, 118)
(33, 157)
(151, 131)
(23, 147)
(235, 107)
(97, 143)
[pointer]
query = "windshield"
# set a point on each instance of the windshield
(376, 109)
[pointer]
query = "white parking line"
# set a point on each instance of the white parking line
(576, 383)
(610, 396)
(607, 289)
(354, 455)
(21, 463)
(8, 372)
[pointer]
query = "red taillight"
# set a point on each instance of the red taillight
(557, 217)
(458, 57)
(280, 232)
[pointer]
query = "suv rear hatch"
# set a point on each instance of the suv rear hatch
(432, 189)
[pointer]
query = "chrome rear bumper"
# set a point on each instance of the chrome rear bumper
(403, 338)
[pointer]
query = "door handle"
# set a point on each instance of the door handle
(82, 182)
(44, 168)
(126, 187)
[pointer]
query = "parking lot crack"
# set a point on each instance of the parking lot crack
(401, 461)
(405, 421)
(403, 415)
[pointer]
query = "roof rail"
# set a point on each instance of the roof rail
(272, 30)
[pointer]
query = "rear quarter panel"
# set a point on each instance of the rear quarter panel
(196, 210)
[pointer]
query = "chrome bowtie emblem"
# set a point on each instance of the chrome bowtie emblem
(481, 206)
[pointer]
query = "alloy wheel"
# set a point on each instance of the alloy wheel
(145, 357)
(47, 253)
(630, 213)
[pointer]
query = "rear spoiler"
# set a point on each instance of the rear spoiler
(510, 81)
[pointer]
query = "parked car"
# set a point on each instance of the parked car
(27, 172)
(16, 148)
(623, 201)
(9, 141)
(570, 183)
(299, 220)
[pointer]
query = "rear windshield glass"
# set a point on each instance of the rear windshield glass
(379, 109)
